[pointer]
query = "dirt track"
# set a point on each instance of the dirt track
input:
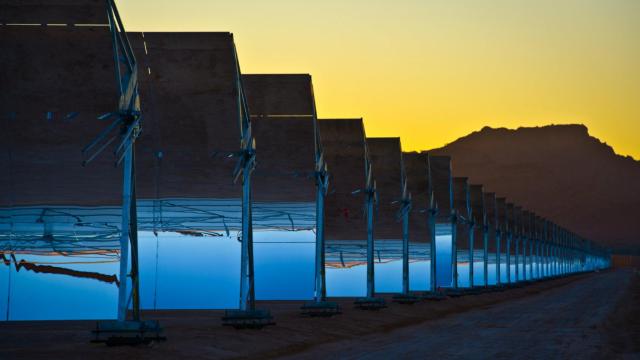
(563, 323)
(560, 318)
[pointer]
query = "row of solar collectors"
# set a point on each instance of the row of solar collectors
(61, 85)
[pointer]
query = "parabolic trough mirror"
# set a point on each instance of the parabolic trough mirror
(416, 168)
(345, 149)
(492, 229)
(343, 141)
(464, 248)
(442, 187)
(479, 233)
(60, 222)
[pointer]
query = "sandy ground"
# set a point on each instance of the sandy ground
(590, 316)
(562, 323)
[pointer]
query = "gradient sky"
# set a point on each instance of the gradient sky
(431, 71)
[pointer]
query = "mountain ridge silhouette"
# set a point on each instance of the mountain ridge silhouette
(561, 173)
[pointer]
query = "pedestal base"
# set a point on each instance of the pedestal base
(113, 332)
(433, 296)
(370, 303)
(462, 292)
(406, 299)
(247, 319)
(320, 308)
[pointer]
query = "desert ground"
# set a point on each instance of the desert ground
(594, 315)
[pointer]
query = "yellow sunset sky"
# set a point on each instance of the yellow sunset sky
(431, 71)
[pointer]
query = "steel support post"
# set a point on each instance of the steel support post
(432, 248)
(370, 245)
(509, 257)
(524, 257)
(123, 292)
(320, 278)
(247, 299)
(133, 220)
(454, 249)
(498, 257)
(561, 259)
(485, 256)
(549, 262)
(538, 265)
(532, 256)
(556, 269)
(545, 242)
(472, 236)
(517, 259)
(405, 247)
(243, 171)
(322, 185)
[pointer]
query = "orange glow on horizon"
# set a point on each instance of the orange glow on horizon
(433, 71)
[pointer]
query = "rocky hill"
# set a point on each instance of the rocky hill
(560, 172)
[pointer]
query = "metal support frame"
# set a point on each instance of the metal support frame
(516, 256)
(322, 186)
(498, 255)
(127, 127)
(544, 249)
(370, 203)
(319, 306)
(454, 247)
(546, 258)
(538, 259)
(485, 241)
(508, 250)
(370, 302)
(404, 213)
(532, 255)
(246, 316)
(471, 230)
(525, 240)
(552, 249)
(433, 213)
(556, 259)
(320, 293)
(244, 168)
